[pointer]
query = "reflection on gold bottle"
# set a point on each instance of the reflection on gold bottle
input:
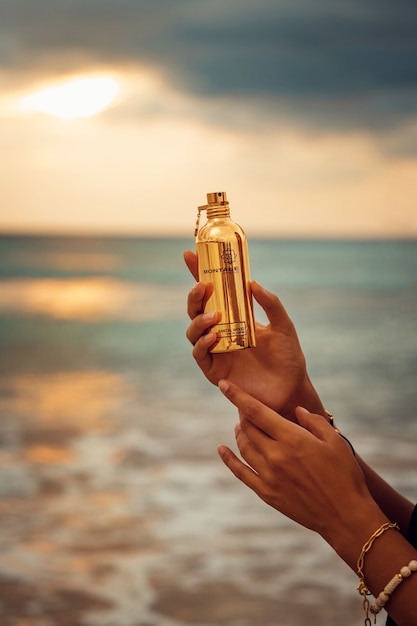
(223, 261)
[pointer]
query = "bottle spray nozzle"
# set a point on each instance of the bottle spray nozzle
(215, 198)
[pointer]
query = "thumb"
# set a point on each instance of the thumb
(191, 262)
(316, 424)
(271, 304)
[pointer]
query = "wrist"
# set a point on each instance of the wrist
(357, 522)
(309, 398)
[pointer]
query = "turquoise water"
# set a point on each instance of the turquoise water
(115, 508)
(73, 304)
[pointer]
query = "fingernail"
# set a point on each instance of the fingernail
(196, 287)
(258, 285)
(209, 338)
(208, 317)
(223, 386)
(221, 450)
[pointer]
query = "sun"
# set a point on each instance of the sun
(82, 96)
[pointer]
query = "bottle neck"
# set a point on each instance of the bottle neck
(218, 211)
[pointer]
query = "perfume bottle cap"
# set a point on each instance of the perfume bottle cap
(217, 197)
(218, 206)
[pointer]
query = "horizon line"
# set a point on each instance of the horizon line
(124, 234)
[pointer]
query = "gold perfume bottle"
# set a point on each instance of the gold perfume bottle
(223, 261)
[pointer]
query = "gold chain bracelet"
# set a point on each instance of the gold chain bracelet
(362, 587)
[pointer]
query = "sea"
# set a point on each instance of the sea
(114, 507)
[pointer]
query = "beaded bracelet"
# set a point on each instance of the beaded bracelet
(395, 581)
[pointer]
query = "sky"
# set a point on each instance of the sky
(119, 116)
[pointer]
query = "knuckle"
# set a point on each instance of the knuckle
(251, 412)
(266, 493)
(273, 459)
(237, 470)
(244, 446)
(194, 330)
(196, 354)
(274, 300)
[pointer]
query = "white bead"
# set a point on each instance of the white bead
(378, 605)
(393, 584)
(383, 598)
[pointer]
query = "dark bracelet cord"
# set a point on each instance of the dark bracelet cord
(347, 441)
(331, 422)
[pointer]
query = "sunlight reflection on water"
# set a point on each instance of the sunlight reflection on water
(90, 299)
(82, 400)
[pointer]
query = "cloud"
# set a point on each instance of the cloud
(343, 64)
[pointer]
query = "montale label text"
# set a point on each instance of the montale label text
(223, 261)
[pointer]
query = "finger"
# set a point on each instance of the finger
(248, 448)
(195, 300)
(191, 262)
(321, 428)
(314, 423)
(257, 413)
(240, 469)
(254, 437)
(200, 325)
(201, 351)
(271, 304)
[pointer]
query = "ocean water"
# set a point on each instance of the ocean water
(115, 509)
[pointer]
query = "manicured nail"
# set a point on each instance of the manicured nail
(209, 338)
(196, 287)
(208, 317)
(223, 386)
(258, 285)
(221, 450)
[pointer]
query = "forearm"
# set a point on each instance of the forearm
(395, 506)
(388, 554)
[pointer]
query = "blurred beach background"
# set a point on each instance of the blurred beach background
(116, 119)
(115, 507)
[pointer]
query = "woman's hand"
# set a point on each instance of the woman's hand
(273, 372)
(306, 470)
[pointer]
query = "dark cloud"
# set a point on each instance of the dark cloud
(312, 56)
(294, 55)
